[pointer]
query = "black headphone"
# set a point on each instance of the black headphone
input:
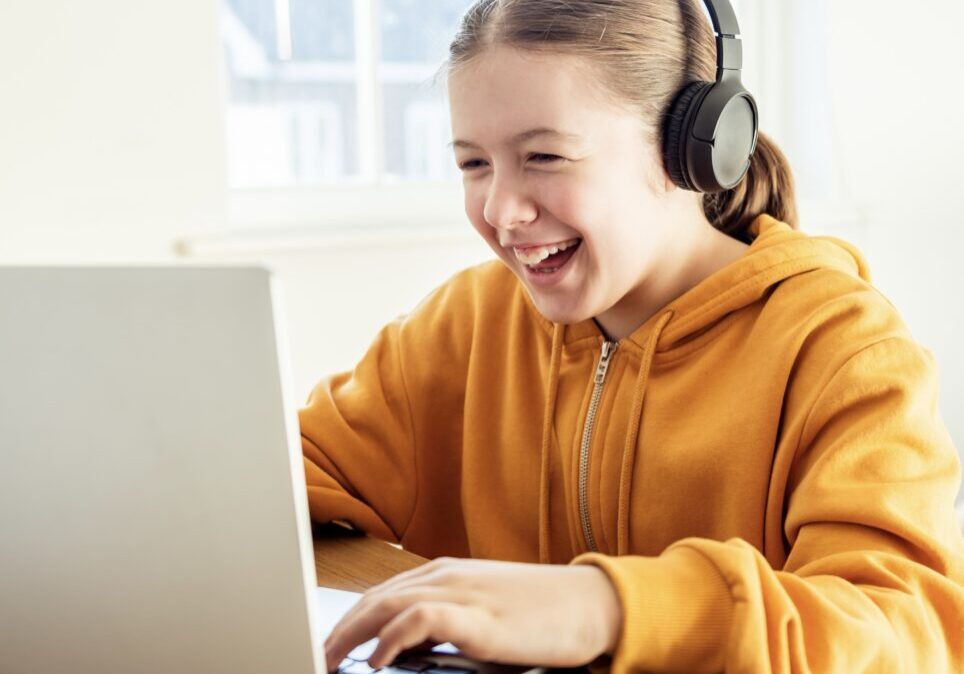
(710, 129)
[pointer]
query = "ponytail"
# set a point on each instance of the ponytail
(767, 188)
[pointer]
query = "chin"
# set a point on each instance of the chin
(553, 306)
(554, 312)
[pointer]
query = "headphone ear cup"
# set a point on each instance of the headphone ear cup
(676, 128)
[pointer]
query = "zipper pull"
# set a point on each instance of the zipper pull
(607, 352)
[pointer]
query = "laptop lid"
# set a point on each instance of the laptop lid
(153, 515)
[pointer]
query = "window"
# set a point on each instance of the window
(310, 81)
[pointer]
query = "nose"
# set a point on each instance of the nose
(507, 205)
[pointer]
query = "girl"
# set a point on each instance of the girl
(668, 428)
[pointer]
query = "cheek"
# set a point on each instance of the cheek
(589, 214)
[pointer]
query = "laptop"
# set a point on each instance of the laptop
(153, 513)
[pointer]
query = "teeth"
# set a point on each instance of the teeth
(537, 255)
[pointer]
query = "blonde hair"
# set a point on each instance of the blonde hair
(644, 52)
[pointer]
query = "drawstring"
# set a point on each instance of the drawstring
(629, 451)
(552, 386)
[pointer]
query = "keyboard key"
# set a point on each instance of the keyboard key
(412, 665)
(356, 668)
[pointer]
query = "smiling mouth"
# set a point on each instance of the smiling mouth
(534, 256)
(553, 261)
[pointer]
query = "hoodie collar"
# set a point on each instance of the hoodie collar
(776, 253)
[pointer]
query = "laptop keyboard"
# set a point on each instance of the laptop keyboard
(429, 662)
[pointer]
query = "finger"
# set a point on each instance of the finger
(426, 621)
(364, 624)
(432, 574)
(409, 584)
(418, 572)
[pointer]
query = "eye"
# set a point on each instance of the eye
(468, 165)
(545, 158)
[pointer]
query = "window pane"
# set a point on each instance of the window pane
(419, 30)
(322, 30)
(291, 91)
(415, 36)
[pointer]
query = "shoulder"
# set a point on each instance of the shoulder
(836, 326)
(486, 297)
(468, 291)
(846, 310)
(478, 283)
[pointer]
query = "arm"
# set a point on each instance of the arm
(874, 580)
(382, 443)
(358, 443)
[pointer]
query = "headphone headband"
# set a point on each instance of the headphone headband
(723, 17)
(729, 49)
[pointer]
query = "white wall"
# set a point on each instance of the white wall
(111, 148)
(111, 139)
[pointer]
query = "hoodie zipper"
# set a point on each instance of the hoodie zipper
(600, 376)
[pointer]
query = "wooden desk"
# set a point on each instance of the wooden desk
(351, 560)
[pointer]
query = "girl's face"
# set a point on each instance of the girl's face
(546, 160)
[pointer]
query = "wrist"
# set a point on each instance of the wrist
(610, 616)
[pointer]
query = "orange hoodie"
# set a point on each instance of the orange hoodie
(760, 468)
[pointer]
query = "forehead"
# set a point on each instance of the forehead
(505, 92)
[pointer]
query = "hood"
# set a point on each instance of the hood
(777, 253)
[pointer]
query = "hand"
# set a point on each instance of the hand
(509, 612)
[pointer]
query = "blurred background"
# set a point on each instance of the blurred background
(307, 134)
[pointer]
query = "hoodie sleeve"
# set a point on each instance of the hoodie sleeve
(358, 445)
(874, 579)
(382, 442)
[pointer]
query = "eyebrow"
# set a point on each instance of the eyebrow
(525, 135)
